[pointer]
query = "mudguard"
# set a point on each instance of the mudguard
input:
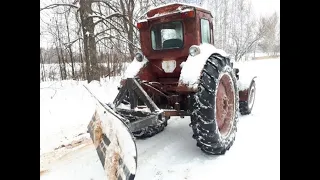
(244, 86)
(115, 144)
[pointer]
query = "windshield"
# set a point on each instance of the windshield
(167, 36)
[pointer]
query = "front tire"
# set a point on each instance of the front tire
(215, 106)
(150, 131)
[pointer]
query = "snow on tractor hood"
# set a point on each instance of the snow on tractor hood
(134, 68)
(192, 67)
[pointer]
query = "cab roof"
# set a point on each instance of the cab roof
(172, 8)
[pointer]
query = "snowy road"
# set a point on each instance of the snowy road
(173, 154)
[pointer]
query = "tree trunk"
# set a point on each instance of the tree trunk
(61, 57)
(43, 74)
(109, 72)
(127, 7)
(69, 47)
(90, 52)
(81, 61)
(60, 64)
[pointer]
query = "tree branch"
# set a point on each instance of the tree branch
(106, 3)
(105, 18)
(72, 42)
(51, 6)
(97, 34)
(125, 40)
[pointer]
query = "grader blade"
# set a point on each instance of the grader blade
(114, 143)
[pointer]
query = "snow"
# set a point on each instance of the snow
(173, 153)
(142, 20)
(178, 10)
(134, 68)
(64, 111)
(193, 66)
(245, 75)
(66, 108)
(168, 4)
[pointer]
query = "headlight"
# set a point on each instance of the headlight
(194, 50)
(139, 56)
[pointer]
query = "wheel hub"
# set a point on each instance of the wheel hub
(225, 101)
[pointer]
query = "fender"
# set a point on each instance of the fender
(244, 87)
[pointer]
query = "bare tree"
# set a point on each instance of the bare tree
(235, 28)
(271, 37)
(42, 68)
(69, 43)
(59, 49)
(89, 18)
(102, 36)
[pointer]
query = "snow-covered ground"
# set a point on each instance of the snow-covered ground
(66, 109)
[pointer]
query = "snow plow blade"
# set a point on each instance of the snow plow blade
(114, 143)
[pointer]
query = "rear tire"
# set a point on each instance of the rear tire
(246, 106)
(215, 106)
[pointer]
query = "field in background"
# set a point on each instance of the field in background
(51, 72)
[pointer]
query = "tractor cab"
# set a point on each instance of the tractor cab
(167, 34)
(173, 29)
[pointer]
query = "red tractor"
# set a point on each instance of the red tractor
(177, 73)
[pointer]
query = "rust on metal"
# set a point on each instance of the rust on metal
(114, 167)
(177, 106)
(225, 101)
(169, 112)
(95, 124)
(244, 95)
(149, 87)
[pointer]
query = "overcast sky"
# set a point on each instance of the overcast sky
(263, 7)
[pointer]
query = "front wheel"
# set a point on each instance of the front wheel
(215, 106)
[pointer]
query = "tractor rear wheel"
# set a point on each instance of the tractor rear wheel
(215, 106)
(246, 106)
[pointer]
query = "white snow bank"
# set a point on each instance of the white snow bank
(64, 114)
(48, 158)
(66, 108)
(193, 66)
(134, 68)
(105, 90)
(246, 74)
